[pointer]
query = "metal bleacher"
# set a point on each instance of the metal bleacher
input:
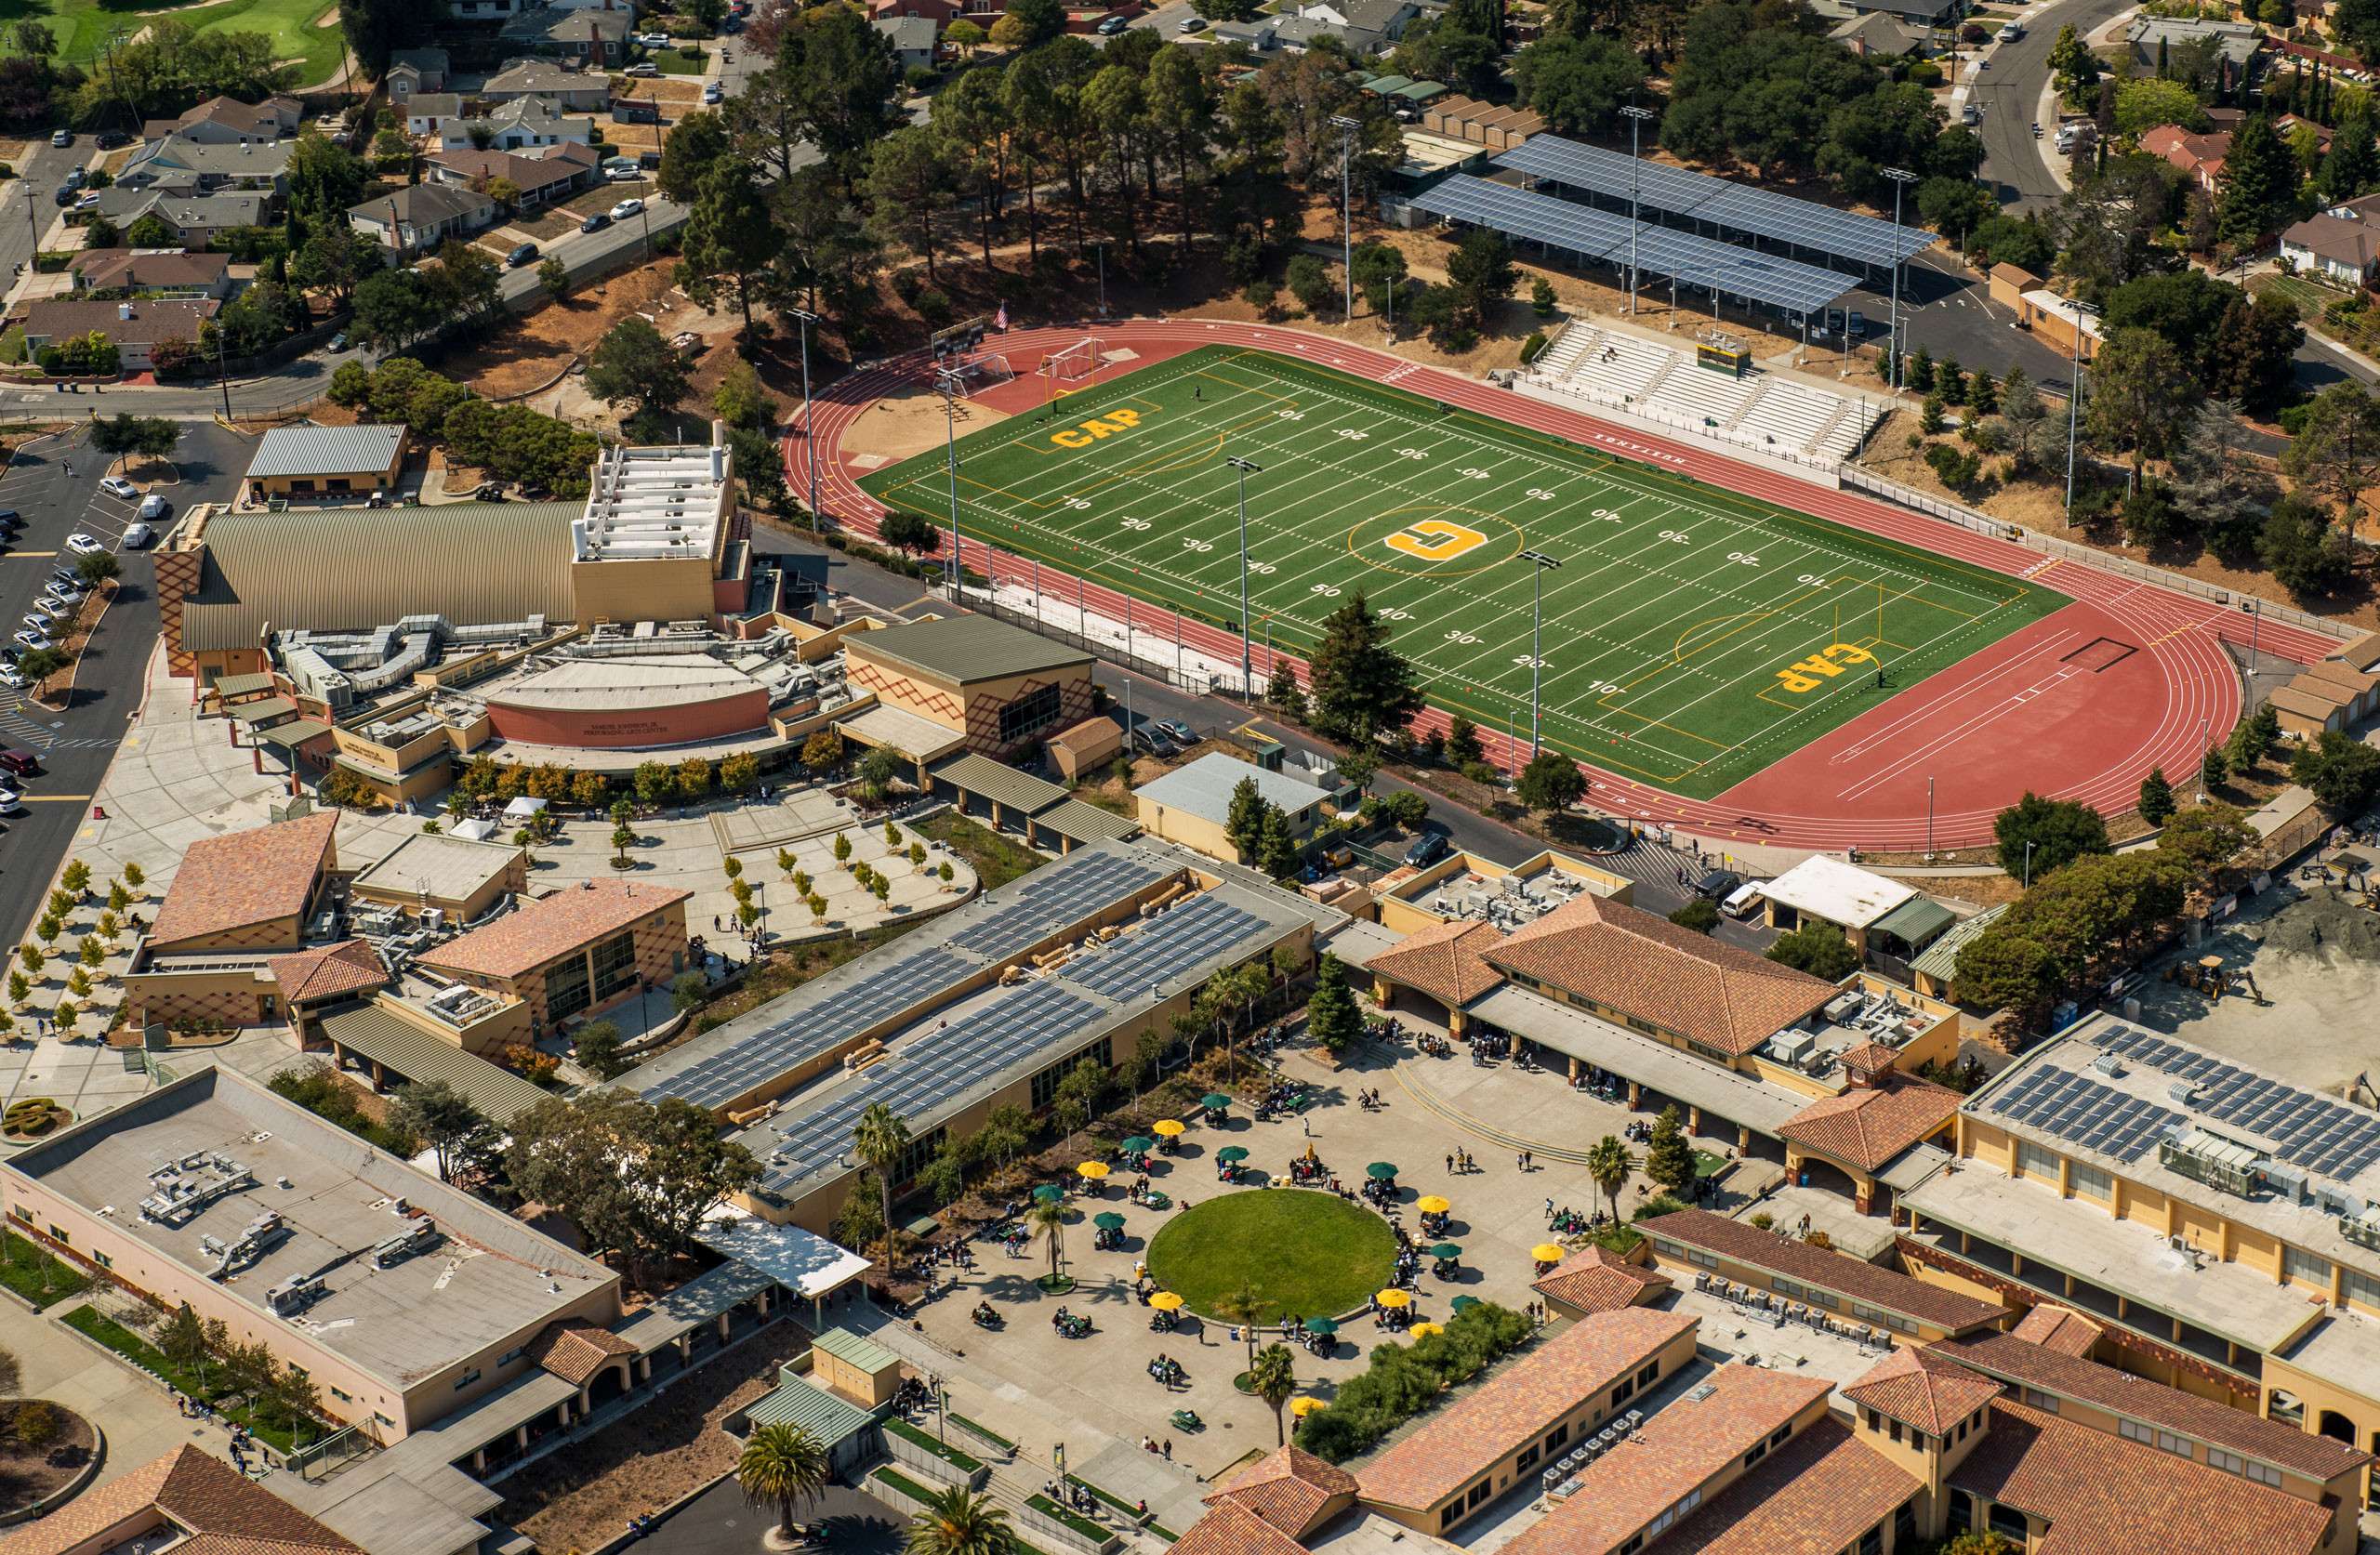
(1767, 411)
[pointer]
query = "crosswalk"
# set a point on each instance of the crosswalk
(21, 729)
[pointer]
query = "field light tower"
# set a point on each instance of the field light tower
(1346, 128)
(1247, 669)
(1636, 117)
(1539, 564)
(1902, 178)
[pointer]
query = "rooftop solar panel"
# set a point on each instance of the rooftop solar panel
(1050, 898)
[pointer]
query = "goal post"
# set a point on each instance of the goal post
(1070, 367)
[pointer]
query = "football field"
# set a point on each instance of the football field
(1690, 636)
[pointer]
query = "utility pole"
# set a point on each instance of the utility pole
(1247, 668)
(2075, 405)
(1539, 564)
(947, 380)
(1346, 128)
(222, 379)
(1901, 178)
(809, 448)
(1636, 117)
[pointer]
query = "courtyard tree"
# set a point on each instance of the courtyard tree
(1608, 1165)
(598, 1049)
(1669, 1157)
(1552, 782)
(783, 1467)
(956, 1520)
(1332, 1019)
(879, 1139)
(635, 1177)
(1049, 1221)
(1272, 1376)
(1819, 949)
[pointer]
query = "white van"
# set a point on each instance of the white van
(2076, 135)
(2012, 32)
(1743, 901)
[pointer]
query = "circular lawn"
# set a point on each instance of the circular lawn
(1302, 1253)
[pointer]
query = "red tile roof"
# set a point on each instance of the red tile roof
(2014, 1358)
(1599, 1281)
(223, 1511)
(1814, 1495)
(1824, 1268)
(1672, 978)
(538, 932)
(2099, 1491)
(1866, 1127)
(1675, 1451)
(1921, 1389)
(575, 1350)
(327, 973)
(1290, 1488)
(1520, 1402)
(1446, 961)
(2060, 1328)
(1232, 1529)
(244, 878)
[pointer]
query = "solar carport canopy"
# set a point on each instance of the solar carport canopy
(1704, 262)
(1762, 212)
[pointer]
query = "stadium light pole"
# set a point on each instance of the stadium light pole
(1902, 178)
(809, 448)
(1539, 564)
(947, 379)
(2074, 404)
(1636, 117)
(1346, 128)
(1247, 669)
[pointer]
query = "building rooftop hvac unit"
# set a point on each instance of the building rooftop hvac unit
(2217, 1162)
(294, 1294)
(420, 1237)
(1842, 1007)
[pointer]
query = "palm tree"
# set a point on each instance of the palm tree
(782, 1466)
(880, 1139)
(1608, 1165)
(1244, 1307)
(1050, 1220)
(1272, 1376)
(957, 1521)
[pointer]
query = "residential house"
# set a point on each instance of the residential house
(2235, 42)
(1917, 13)
(2331, 244)
(597, 35)
(429, 112)
(196, 221)
(2199, 156)
(487, 11)
(227, 120)
(1374, 19)
(523, 125)
(557, 89)
(414, 71)
(1879, 36)
(151, 270)
(237, 167)
(135, 327)
(912, 38)
(419, 218)
(549, 174)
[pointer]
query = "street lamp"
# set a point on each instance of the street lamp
(1246, 670)
(1346, 128)
(948, 379)
(2074, 404)
(808, 447)
(1540, 564)
(1636, 117)
(1902, 178)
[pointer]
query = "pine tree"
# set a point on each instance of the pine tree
(1669, 1158)
(1276, 847)
(1284, 695)
(2155, 797)
(2214, 769)
(1331, 1018)
(1921, 372)
(1983, 395)
(1462, 744)
(2257, 184)
(1243, 822)
(1361, 686)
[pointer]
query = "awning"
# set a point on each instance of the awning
(1420, 91)
(1675, 1073)
(803, 1262)
(998, 784)
(1084, 823)
(258, 712)
(1916, 922)
(290, 736)
(903, 733)
(372, 1033)
(242, 685)
(1940, 959)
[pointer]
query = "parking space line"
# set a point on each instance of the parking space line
(54, 798)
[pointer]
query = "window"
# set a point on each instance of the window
(2036, 1398)
(1478, 1494)
(1893, 1428)
(1033, 710)
(512, 1355)
(1696, 1254)
(467, 1379)
(2296, 1265)
(342, 1395)
(1558, 1435)
(102, 1259)
(2356, 1286)
(57, 1234)
(2090, 1181)
(1620, 1394)
(2008, 1521)
(566, 989)
(614, 962)
(1776, 1438)
(1045, 1084)
(1668, 1248)
(1759, 1451)
(1446, 1518)
(1527, 1459)
(1645, 1374)
(2034, 1160)
(1875, 1422)
(19, 1212)
(2163, 1441)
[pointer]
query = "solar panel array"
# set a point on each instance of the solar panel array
(2083, 1112)
(1760, 212)
(811, 1029)
(1762, 278)
(940, 1064)
(1050, 898)
(1164, 948)
(2309, 1131)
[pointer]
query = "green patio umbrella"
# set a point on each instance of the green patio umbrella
(1108, 1219)
(1214, 1100)
(1137, 1145)
(1232, 1152)
(1382, 1171)
(1446, 1250)
(1321, 1325)
(1048, 1192)
(1464, 1303)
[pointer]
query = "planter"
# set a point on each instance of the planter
(913, 1449)
(1047, 1520)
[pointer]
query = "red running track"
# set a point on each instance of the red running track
(2079, 706)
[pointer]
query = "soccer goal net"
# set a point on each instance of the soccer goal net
(1072, 365)
(986, 370)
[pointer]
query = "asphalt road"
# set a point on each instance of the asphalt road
(721, 1522)
(75, 745)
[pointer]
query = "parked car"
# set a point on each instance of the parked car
(111, 138)
(1427, 849)
(87, 199)
(1743, 901)
(65, 576)
(1111, 25)
(714, 93)
(83, 545)
(1717, 885)
(643, 70)
(1191, 24)
(118, 487)
(10, 800)
(338, 341)
(9, 520)
(653, 40)
(76, 177)
(524, 255)
(1149, 741)
(153, 507)
(627, 208)
(16, 759)
(630, 174)
(65, 196)
(138, 535)
(595, 223)
(34, 642)
(1177, 731)
(62, 137)
(14, 682)
(2011, 31)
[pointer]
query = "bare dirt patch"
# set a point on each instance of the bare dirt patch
(909, 421)
(579, 1498)
(543, 344)
(28, 1474)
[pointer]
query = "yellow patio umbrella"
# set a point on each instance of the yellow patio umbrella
(1433, 1205)
(1166, 1301)
(1306, 1404)
(1394, 1299)
(1091, 1169)
(1171, 1128)
(1547, 1252)
(1423, 1330)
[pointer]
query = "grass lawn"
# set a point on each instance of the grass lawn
(1701, 635)
(36, 1275)
(680, 61)
(1301, 1251)
(83, 27)
(149, 1358)
(996, 858)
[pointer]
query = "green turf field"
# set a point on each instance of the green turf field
(83, 27)
(1691, 637)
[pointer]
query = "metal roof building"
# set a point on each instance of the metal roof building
(325, 451)
(967, 647)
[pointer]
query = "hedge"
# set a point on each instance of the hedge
(1405, 1379)
(1124, 1507)
(919, 1440)
(917, 1492)
(94, 1324)
(1080, 1523)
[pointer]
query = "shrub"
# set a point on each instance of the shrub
(1533, 347)
(1404, 1380)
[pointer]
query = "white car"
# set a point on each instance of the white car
(87, 201)
(624, 175)
(13, 680)
(714, 93)
(642, 69)
(83, 545)
(627, 208)
(117, 486)
(153, 507)
(138, 534)
(33, 641)
(10, 798)
(653, 40)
